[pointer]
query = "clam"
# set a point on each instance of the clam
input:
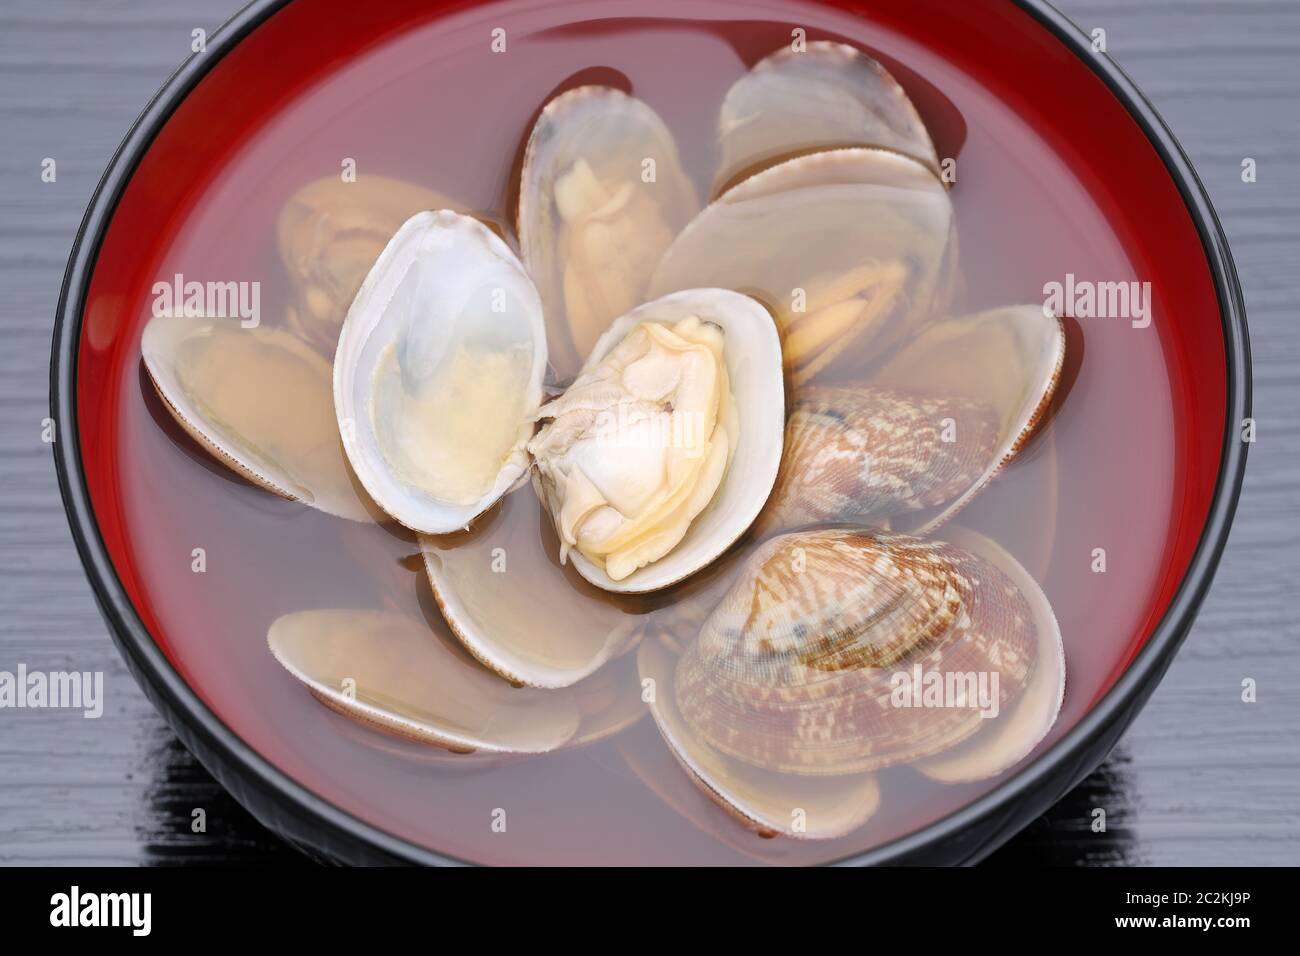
(601, 197)
(259, 400)
(826, 96)
(491, 582)
(438, 373)
(798, 668)
(865, 454)
(847, 248)
(772, 803)
(1008, 360)
(330, 233)
(393, 673)
(664, 449)
(1015, 733)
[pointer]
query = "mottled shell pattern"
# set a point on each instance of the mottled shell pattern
(794, 669)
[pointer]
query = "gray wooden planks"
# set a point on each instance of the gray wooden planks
(1200, 778)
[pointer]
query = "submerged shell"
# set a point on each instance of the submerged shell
(826, 96)
(330, 233)
(1013, 734)
(798, 668)
(602, 195)
(412, 682)
(862, 454)
(847, 248)
(259, 399)
(812, 808)
(580, 458)
(1007, 359)
(507, 599)
(397, 674)
(439, 371)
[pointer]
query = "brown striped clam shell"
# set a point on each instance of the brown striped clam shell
(863, 454)
(795, 669)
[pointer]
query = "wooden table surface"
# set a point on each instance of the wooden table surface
(1201, 778)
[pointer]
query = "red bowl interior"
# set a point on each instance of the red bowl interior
(988, 45)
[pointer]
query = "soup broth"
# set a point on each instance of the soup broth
(1086, 508)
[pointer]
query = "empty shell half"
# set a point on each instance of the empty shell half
(498, 587)
(439, 372)
(395, 673)
(825, 96)
(259, 400)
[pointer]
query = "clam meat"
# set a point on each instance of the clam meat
(664, 449)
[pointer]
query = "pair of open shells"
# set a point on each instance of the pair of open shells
(830, 244)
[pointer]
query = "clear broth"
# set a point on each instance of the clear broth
(433, 106)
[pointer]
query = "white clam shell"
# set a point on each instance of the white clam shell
(515, 609)
(434, 288)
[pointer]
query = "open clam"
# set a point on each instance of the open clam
(847, 248)
(664, 449)
(439, 371)
(826, 96)
(602, 195)
(259, 400)
(799, 667)
(330, 233)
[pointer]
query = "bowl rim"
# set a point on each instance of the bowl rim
(213, 738)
